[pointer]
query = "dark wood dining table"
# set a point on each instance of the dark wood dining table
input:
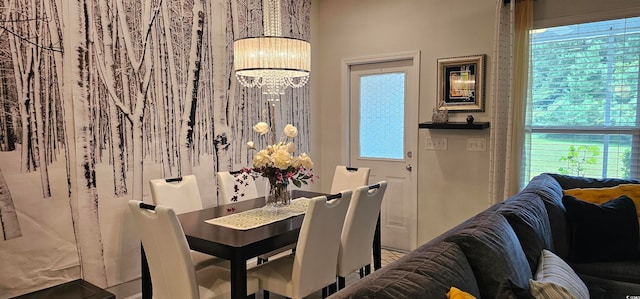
(238, 246)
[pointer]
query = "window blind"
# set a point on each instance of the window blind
(583, 103)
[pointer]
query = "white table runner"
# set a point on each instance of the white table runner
(261, 216)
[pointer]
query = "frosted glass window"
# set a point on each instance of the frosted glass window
(382, 116)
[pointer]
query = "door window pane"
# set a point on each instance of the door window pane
(382, 116)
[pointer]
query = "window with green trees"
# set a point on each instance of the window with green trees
(582, 109)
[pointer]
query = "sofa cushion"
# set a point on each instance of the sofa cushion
(555, 279)
(624, 271)
(549, 190)
(606, 288)
(494, 253)
(546, 186)
(601, 233)
(427, 272)
(528, 218)
(508, 290)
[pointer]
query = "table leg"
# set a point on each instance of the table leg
(147, 290)
(238, 278)
(377, 247)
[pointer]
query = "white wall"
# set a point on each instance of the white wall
(453, 184)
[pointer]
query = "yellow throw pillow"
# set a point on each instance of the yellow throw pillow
(602, 195)
(455, 293)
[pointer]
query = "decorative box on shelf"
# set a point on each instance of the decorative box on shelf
(455, 125)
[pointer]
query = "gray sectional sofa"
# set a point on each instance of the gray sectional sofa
(495, 253)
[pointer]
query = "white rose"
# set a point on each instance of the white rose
(282, 159)
(261, 159)
(261, 127)
(291, 147)
(271, 148)
(290, 131)
(250, 145)
(305, 161)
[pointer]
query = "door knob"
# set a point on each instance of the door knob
(409, 167)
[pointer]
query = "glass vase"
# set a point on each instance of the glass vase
(278, 196)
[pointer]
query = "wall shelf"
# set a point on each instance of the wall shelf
(454, 125)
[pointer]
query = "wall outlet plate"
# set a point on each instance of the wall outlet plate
(477, 144)
(436, 144)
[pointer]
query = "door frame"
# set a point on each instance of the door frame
(346, 65)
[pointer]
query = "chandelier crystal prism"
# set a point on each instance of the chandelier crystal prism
(272, 62)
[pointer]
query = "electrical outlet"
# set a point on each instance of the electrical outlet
(428, 144)
(477, 144)
(440, 143)
(437, 144)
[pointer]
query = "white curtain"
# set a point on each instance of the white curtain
(509, 90)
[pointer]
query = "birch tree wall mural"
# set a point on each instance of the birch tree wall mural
(99, 96)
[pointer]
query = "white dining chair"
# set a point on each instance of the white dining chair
(181, 193)
(183, 196)
(313, 267)
(357, 234)
(233, 189)
(349, 178)
(235, 186)
(172, 272)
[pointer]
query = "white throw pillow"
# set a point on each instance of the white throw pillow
(555, 279)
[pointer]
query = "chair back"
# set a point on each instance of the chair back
(181, 194)
(359, 228)
(167, 251)
(233, 189)
(349, 178)
(318, 243)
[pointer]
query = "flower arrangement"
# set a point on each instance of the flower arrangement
(277, 162)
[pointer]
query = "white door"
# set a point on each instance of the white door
(383, 132)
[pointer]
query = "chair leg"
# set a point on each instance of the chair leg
(367, 270)
(262, 261)
(332, 288)
(361, 272)
(341, 282)
(325, 292)
(265, 294)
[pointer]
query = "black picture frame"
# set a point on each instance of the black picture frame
(461, 83)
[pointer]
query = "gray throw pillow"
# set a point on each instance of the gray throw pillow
(494, 253)
(528, 218)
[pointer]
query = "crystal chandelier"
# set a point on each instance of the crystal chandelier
(272, 62)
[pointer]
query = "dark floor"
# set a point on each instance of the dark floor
(77, 289)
